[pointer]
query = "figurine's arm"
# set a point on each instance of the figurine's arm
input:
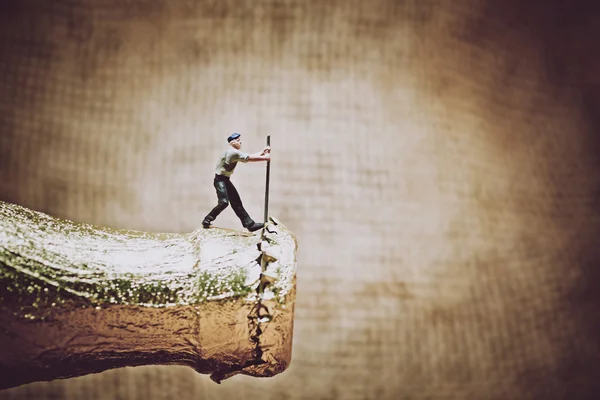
(264, 155)
(77, 299)
(258, 157)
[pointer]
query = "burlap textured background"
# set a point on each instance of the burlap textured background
(437, 160)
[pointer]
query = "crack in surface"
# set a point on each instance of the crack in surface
(259, 317)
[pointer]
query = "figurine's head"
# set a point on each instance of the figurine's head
(235, 141)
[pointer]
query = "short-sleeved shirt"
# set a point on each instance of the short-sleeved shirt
(228, 162)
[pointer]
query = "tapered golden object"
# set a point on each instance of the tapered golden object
(77, 299)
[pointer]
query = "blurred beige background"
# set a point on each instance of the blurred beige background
(438, 162)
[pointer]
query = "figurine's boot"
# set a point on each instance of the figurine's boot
(255, 226)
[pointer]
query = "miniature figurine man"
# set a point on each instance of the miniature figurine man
(226, 192)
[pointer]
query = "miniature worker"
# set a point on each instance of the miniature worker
(226, 192)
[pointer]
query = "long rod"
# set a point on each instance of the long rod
(267, 184)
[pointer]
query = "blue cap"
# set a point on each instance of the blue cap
(233, 137)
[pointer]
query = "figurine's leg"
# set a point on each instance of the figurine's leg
(238, 207)
(223, 202)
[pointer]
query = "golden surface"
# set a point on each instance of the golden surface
(104, 298)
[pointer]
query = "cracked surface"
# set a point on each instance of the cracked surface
(77, 299)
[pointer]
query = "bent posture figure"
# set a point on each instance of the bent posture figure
(226, 192)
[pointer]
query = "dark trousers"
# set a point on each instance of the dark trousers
(228, 194)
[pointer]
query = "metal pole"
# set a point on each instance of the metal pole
(267, 185)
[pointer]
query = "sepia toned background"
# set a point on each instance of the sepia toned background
(438, 161)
